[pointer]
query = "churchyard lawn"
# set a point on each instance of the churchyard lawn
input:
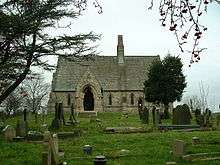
(151, 148)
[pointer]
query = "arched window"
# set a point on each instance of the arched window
(110, 99)
(132, 98)
(68, 99)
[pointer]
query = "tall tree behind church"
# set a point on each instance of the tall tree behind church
(166, 82)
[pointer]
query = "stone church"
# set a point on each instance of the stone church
(105, 83)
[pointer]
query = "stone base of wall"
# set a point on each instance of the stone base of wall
(120, 109)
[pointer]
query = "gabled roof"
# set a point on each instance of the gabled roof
(106, 70)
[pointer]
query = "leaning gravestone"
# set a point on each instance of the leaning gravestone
(178, 148)
(181, 115)
(9, 133)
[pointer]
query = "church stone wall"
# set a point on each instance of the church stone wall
(67, 98)
(121, 101)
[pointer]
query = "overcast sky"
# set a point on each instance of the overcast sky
(143, 35)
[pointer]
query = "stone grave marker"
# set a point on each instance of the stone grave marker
(157, 117)
(145, 116)
(178, 148)
(181, 115)
(153, 114)
(9, 133)
(21, 128)
(218, 121)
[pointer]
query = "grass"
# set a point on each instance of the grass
(144, 148)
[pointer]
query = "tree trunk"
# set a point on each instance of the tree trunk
(11, 88)
(22, 76)
(166, 111)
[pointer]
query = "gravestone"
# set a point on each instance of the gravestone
(145, 116)
(140, 112)
(153, 114)
(21, 128)
(72, 119)
(56, 123)
(181, 115)
(178, 148)
(9, 133)
(157, 117)
(218, 121)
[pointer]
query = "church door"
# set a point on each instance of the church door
(88, 101)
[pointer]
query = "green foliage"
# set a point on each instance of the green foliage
(166, 81)
(25, 42)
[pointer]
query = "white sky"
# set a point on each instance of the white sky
(143, 35)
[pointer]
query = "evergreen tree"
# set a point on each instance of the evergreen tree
(166, 82)
(24, 41)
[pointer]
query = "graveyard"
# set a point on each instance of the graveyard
(131, 142)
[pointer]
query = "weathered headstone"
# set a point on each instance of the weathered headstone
(21, 128)
(145, 116)
(72, 115)
(218, 121)
(178, 148)
(9, 133)
(140, 112)
(157, 117)
(56, 122)
(181, 115)
(153, 114)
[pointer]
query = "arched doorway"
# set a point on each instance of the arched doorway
(88, 101)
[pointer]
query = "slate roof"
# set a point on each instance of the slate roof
(106, 70)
